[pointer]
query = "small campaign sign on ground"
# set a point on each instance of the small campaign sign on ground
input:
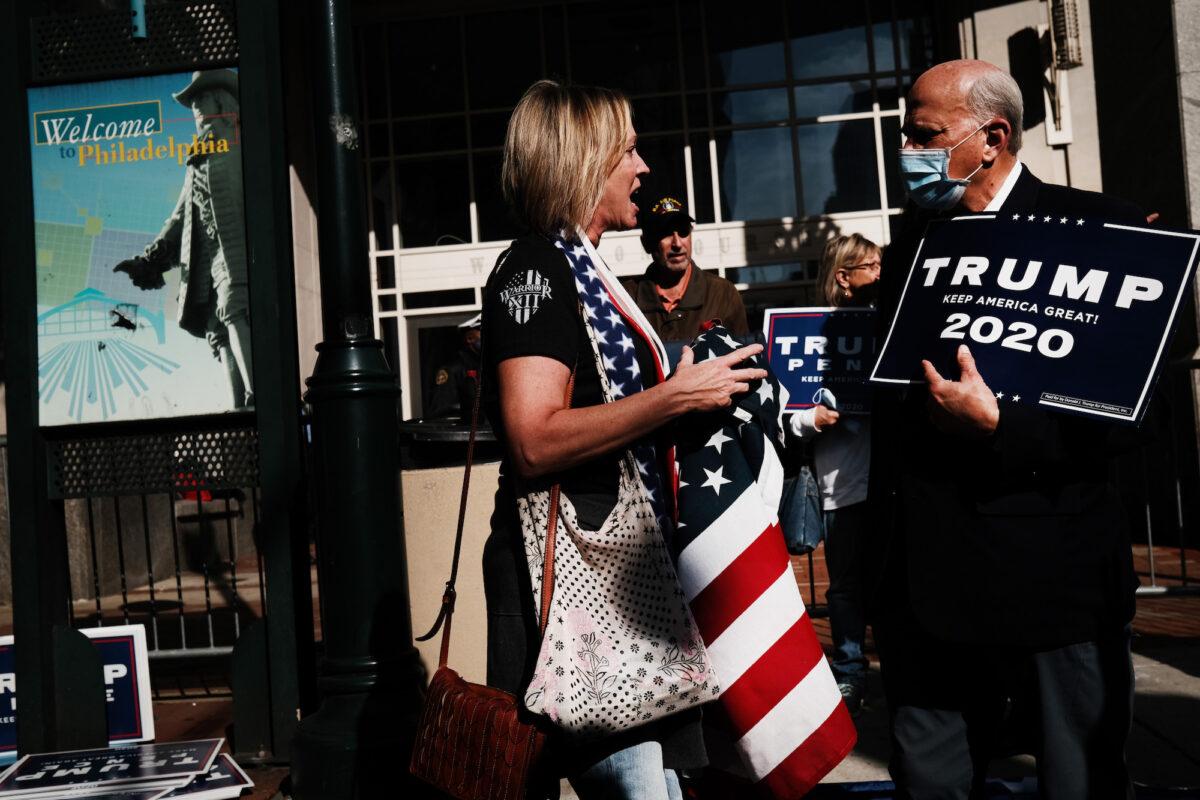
(126, 683)
(224, 781)
(91, 772)
(1070, 314)
(810, 349)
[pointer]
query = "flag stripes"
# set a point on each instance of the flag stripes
(781, 704)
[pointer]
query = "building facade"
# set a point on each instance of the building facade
(777, 122)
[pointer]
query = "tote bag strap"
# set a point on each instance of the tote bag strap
(552, 530)
(446, 612)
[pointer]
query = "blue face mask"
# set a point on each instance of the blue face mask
(926, 176)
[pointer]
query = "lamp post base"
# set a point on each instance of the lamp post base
(357, 744)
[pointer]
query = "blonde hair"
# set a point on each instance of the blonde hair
(561, 145)
(839, 252)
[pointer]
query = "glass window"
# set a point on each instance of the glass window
(692, 36)
(496, 221)
(745, 43)
(554, 42)
(885, 52)
(428, 135)
(664, 156)
(757, 179)
(488, 130)
(889, 128)
(374, 78)
(702, 180)
(624, 44)
(756, 105)
(837, 166)
(828, 39)
(697, 112)
(378, 143)
(819, 99)
(426, 60)
(385, 272)
(914, 35)
(433, 200)
(504, 56)
(382, 212)
(658, 114)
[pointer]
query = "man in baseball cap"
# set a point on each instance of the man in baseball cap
(677, 296)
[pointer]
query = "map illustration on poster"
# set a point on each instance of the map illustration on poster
(143, 306)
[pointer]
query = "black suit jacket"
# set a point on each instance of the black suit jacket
(1016, 539)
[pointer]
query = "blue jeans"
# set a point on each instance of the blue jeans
(635, 773)
(845, 537)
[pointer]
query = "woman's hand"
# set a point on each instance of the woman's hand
(712, 383)
(825, 417)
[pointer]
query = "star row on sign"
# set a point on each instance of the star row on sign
(1047, 218)
(1016, 398)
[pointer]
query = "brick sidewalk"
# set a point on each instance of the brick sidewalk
(1162, 622)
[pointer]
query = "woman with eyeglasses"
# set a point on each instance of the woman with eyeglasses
(849, 276)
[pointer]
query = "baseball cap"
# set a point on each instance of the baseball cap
(667, 215)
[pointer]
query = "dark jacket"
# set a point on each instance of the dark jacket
(1016, 539)
(707, 297)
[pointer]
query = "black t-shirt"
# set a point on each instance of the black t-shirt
(531, 308)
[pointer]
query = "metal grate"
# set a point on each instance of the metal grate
(162, 462)
(180, 36)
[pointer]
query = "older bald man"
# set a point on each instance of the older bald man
(1007, 585)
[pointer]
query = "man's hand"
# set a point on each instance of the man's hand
(142, 273)
(825, 417)
(966, 406)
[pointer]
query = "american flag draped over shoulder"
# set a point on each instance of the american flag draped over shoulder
(611, 323)
(782, 702)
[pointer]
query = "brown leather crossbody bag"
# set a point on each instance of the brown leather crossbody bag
(476, 742)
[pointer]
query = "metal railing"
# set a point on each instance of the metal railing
(183, 562)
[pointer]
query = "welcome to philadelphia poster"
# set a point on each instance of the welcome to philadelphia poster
(142, 298)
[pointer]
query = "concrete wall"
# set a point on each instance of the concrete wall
(1002, 34)
(1187, 49)
(430, 517)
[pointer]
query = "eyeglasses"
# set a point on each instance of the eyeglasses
(872, 265)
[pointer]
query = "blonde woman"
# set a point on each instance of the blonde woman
(842, 454)
(571, 171)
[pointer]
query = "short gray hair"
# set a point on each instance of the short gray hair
(996, 94)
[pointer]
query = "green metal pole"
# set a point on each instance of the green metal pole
(356, 744)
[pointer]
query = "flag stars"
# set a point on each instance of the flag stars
(613, 317)
(718, 439)
(765, 393)
(625, 342)
(715, 479)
